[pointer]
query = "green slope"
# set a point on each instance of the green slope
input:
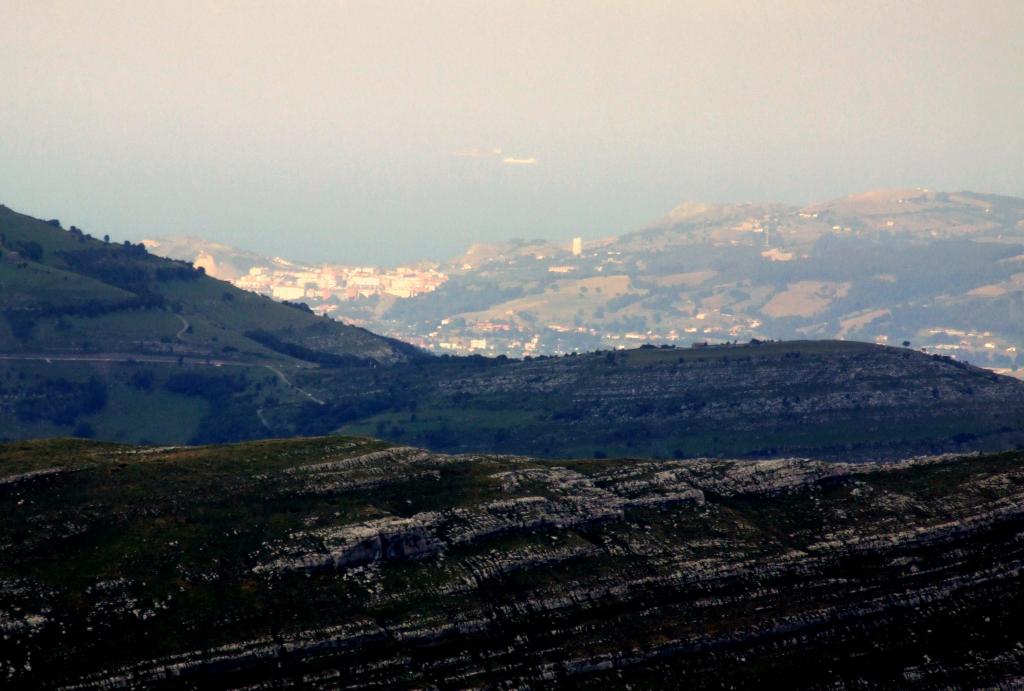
(118, 298)
(171, 354)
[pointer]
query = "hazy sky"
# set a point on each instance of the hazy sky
(379, 132)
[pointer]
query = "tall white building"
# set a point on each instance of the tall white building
(577, 246)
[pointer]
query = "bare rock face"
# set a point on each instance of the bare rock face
(344, 563)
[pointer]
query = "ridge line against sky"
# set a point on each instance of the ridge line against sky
(394, 131)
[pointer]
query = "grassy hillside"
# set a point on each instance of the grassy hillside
(164, 352)
(64, 291)
(320, 563)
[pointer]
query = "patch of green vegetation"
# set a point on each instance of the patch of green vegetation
(30, 285)
(144, 402)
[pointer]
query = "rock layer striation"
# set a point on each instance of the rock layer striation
(345, 563)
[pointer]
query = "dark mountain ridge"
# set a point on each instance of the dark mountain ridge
(342, 562)
(824, 399)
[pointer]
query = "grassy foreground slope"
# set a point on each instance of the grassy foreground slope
(342, 562)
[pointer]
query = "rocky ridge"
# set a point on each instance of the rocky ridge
(834, 400)
(344, 563)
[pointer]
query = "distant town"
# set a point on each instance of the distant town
(343, 292)
(855, 268)
(327, 284)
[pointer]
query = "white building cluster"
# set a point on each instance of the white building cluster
(287, 281)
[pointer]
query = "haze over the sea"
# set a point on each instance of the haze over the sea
(385, 132)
